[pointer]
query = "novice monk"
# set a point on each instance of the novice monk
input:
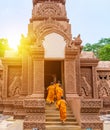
(59, 93)
(62, 108)
(51, 93)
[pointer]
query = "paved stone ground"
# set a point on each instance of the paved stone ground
(8, 123)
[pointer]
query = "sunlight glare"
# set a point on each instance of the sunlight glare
(13, 41)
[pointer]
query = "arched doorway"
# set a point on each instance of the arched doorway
(54, 46)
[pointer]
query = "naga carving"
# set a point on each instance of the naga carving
(14, 81)
(86, 86)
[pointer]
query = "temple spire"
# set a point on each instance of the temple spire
(39, 1)
(43, 9)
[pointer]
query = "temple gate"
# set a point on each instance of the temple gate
(50, 54)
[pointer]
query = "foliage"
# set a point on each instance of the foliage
(3, 46)
(24, 43)
(104, 52)
(100, 49)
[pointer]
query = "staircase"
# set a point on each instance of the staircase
(53, 119)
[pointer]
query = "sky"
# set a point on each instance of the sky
(89, 18)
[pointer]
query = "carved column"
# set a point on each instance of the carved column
(77, 42)
(95, 90)
(35, 104)
(70, 72)
(30, 75)
(38, 71)
(24, 89)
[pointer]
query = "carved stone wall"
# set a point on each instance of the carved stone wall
(35, 113)
(14, 81)
(103, 83)
(90, 113)
(11, 83)
(86, 82)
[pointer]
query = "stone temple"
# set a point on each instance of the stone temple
(54, 55)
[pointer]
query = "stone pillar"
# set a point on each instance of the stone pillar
(77, 42)
(30, 75)
(70, 73)
(95, 90)
(24, 89)
(35, 104)
(38, 71)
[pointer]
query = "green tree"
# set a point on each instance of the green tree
(3, 46)
(100, 49)
(104, 52)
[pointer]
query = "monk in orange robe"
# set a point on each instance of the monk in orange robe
(59, 93)
(51, 93)
(62, 108)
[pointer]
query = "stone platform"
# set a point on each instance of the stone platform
(8, 123)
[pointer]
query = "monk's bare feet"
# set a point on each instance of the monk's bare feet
(63, 122)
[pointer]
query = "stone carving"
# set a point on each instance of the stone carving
(38, 117)
(89, 103)
(48, 9)
(93, 125)
(15, 86)
(91, 118)
(103, 83)
(14, 81)
(35, 103)
(86, 89)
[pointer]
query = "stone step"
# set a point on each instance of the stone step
(62, 127)
(57, 118)
(58, 114)
(59, 123)
(53, 119)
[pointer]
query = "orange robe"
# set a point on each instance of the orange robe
(62, 108)
(59, 94)
(56, 86)
(51, 94)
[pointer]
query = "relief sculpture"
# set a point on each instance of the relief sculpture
(103, 84)
(15, 86)
(86, 88)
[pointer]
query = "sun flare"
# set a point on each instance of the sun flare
(13, 41)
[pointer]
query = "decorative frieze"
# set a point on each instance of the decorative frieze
(91, 103)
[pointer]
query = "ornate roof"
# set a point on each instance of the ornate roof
(87, 54)
(103, 65)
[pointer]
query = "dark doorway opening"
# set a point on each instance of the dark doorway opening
(53, 71)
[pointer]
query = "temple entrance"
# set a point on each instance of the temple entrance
(53, 71)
